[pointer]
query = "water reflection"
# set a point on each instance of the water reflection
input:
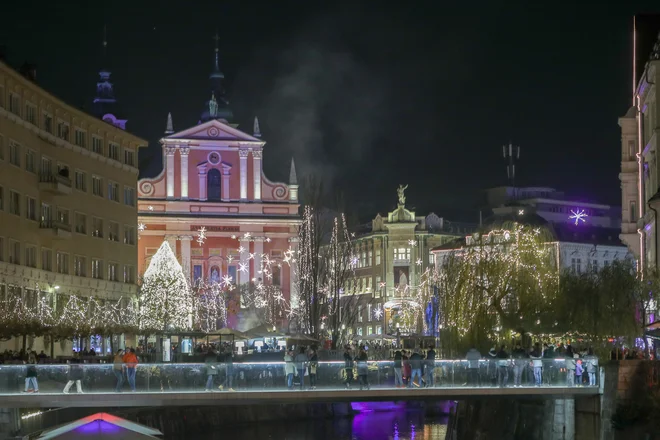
(395, 424)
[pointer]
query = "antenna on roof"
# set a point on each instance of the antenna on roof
(512, 154)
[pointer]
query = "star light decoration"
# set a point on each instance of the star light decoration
(578, 215)
(201, 235)
(412, 243)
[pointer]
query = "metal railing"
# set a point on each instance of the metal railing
(271, 376)
(54, 178)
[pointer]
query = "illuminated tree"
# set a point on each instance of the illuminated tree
(165, 298)
(210, 305)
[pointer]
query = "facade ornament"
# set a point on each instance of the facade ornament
(213, 106)
(243, 152)
(184, 151)
(257, 153)
(401, 193)
(170, 127)
(169, 150)
(256, 131)
(293, 178)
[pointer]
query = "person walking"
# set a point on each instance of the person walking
(211, 362)
(118, 369)
(519, 362)
(313, 365)
(289, 369)
(31, 384)
(75, 374)
(502, 367)
(301, 360)
(228, 359)
(349, 363)
(430, 368)
(131, 361)
(416, 368)
(537, 363)
(363, 369)
(398, 374)
(473, 357)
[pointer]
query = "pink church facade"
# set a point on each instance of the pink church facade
(213, 181)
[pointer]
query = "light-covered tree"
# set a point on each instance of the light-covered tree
(165, 297)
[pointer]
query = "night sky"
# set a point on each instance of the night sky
(366, 94)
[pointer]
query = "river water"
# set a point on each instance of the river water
(390, 424)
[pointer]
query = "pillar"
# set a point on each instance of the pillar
(243, 154)
(184, 172)
(258, 251)
(256, 171)
(185, 254)
(225, 183)
(169, 152)
(202, 182)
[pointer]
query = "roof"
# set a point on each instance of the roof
(101, 425)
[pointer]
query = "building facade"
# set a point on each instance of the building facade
(394, 253)
(640, 167)
(226, 222)
(68, 199)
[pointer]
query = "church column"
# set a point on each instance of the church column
(256, 170)
(185, 253)
(169, 152)
(294, 297)
(243, 154)
(258, 251)
(202, 182)
(184, 172)
(225, 183)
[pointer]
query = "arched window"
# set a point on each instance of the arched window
(213, 179)
(214, 275)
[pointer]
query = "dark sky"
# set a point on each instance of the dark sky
(366, 94)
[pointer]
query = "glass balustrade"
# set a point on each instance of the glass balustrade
(271, 376)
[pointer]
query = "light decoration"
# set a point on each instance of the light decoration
(142, 227)
(579, 215)
(211, 305)
(419, 261)
(201, 235)
(412, 243)
(378, 313)
(151, 208)
(166, 299)
(227, 281)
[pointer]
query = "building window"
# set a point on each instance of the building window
(46, 214)
(80, 138)
(46, 166)
(379, 329)
(359, 331)
(81, 181)
(359, 314)
(14, 252)
(15, 104)
(79, 266)
(113, 151)
(63, 216)
(63, 131)
(431, 259)
(113, 191)
(370, 330)
(197, 272)
(113, 272)
(369, 312)
(576, 265)
(594, 266)
(401, 254)
(62, 263)
(370, 257)
(30, 208)
(129, 157)
(14, 154)
(633, 212)
(129, 196)
(97, 186)
(113, 231)
(213, 185)
(129, 274)
(606, 263)
(46, 259)
(31, 114)
(97, 227)
(14, 203)
(97, 145)
(29, 161)
(129, 235)
(81, 223)
(97, 268)
(48, 123)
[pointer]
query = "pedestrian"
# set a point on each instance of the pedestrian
(570, 366)
(502, 367)
(312, 366)
(118, 369)
(75, 374)
(416, 368)
(578, 372)
(131, 361)
(348, 366)
(31, 384)
(228, 359)
(537, 364)
(210, 361)
(301, 360)
(592, 366)
(430, 368)
(473, 357)
(398, 375)
(289, 369)
(363, 369)
(492, 366)
(519, 362)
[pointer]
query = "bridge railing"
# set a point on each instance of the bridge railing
(270, 376)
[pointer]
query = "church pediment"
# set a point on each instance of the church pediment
(214, 130)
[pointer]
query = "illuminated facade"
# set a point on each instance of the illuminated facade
(393, 254)
(639, 148)
(212, 202)
(68, 190)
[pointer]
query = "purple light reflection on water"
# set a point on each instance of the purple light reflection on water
(98, 427)
(391, 420)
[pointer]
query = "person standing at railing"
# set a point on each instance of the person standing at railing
(301, 361)
(473, 357)
(289, 369)
(75, 374)
(416, 368)
(210, 362)
(398, 374)
(492, 366)
(362, 369)
(348, 367)
(520, 360)
(503, 362)
(537, 363)
(312, 366)
(570, 366)
(31, 384)
(430, 368)
(118, 369)
(131, 361)
(592, 366)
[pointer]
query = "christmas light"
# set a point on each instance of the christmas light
(201, 235)
(142, 227)
(578, 215)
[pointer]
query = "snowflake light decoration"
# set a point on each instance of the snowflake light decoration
(578, 215)
(227, 281)
(419, 261)
(142, 227)
(201, 235)
(242, 267)
(151, 208)
(412, 243)
(378, 313)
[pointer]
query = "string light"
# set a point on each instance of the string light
(201, 235)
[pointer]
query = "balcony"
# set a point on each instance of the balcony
(58, 184)
(55, 229)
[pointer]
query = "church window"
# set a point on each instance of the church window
(231, 271)
(215, 274)
(277, 276)
(213, 180)
(197, 272)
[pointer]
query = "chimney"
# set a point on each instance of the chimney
(29, 71)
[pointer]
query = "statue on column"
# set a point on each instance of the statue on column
(401, 192)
